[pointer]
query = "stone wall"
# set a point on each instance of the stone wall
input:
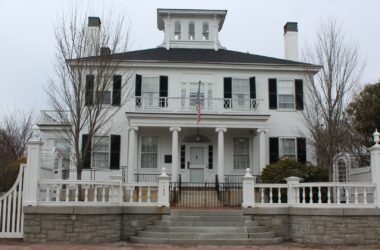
(321, 226)
(86, 224)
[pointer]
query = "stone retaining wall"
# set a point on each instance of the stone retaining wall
(322, 226)
(86, 224)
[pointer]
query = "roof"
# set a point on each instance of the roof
(161, 13)
(182, 55)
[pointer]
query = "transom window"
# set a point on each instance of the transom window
(149, 151)
(287, 148)
(100, 151)
(191, 31)
(240, 93)
(177, 31)
(150, 91)
(241, 153)
(286, 97)
(205, 31)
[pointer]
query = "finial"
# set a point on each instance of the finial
(247, 172)
(376, 137)
(163, 171)
(36, 133)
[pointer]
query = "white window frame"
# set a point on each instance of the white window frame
(238, 103)
(281, 149)
(158, 153)
(186, 99)
(147, 102)
(279, 81)
(92, 152)
(177, 33)
(243, 154)
(110, 78)
(191, 33)
(205, 33)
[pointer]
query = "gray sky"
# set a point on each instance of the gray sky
(27, 42)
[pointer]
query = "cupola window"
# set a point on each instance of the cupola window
(191, 31)
(205, 32)
(177, 31)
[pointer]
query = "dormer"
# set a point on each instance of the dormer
(187, 28)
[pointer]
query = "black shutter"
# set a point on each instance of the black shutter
(299, 94)
(138, 90)
(163, 91)
(252, 92)
(86, 142)
(301, 149)
(272, 86)
(227, 92)
(116, 93)
(115, 152)
(89, 95)
(183, 156)
(273, 149)
(210, 157)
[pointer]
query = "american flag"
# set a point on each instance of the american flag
(198, 103)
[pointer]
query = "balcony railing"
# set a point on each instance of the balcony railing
(182, 104)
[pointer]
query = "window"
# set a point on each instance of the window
(241, 153)
(288, 148)
(177, 31)
(100, 152)
(205, 31)
(286, 95)
(240, 93)
(189, 93)
(150, 91)
(194, 87)
(103, 97)
(149, 151)
(191, 31)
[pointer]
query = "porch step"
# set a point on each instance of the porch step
(205, 227)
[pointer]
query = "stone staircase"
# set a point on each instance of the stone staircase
(206, 227)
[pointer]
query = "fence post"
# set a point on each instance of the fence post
(32, 171)
(291, 190)
(248, 189)
(163, 189)
(375, 166)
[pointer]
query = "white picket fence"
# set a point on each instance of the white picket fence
(11, 209)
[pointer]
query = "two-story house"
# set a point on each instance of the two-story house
(201, 110)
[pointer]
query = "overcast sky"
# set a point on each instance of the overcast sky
(27, 42)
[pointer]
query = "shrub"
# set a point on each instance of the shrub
(277, 172)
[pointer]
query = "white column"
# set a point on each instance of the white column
(262, 149)
(375, 167)
(132, 153)
(32, 171)
(221, 132)
(163, 189)
(175, 158)
(248, 190)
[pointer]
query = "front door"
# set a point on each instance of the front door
(197, 163)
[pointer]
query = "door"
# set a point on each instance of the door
(197, 163)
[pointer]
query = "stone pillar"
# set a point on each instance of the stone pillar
(292, 180)
(132, 153)
(175, 158)
(248, 189)
(262, 149)
(375, 166)
(163, 189)
(32, 171)
(221, 132)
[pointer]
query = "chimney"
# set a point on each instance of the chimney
(93, 36)
(291, 41)
(105, 51)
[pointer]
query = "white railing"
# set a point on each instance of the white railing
(268, 194)
(79, 192)
(183, 104)
(11, 209)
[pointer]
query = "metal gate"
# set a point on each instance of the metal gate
(11, 211)
(205, 195)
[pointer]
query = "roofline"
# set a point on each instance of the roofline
(205, 12)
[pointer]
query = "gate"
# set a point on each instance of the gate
(11, 211)
(205, 195)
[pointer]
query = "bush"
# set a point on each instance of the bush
(9, 173)
(277, 172)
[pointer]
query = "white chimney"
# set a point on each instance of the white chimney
(291, 41)
(93, 36)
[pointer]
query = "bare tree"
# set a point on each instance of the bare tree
(330, 91)
(85, 73)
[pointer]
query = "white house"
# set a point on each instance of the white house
(250, 107)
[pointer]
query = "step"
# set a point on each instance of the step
(220, 242)
(201, 236)
(205, 223)
(205, 218)
(254, 229)
(207, 212)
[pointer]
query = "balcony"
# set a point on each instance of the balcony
(184, 105)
